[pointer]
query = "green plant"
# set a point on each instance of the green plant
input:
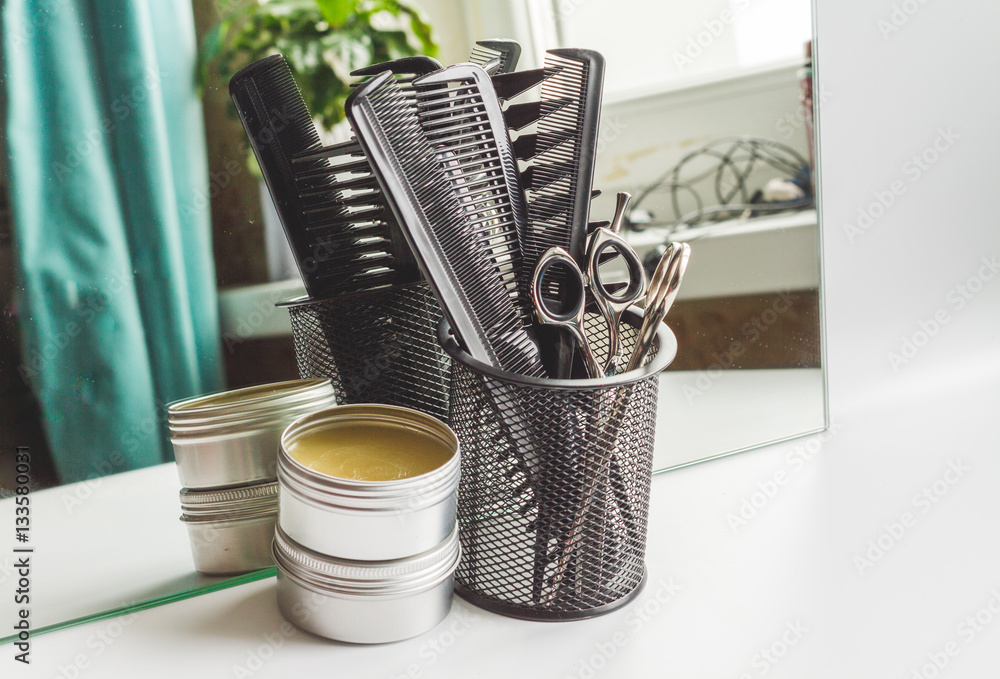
(323, 41)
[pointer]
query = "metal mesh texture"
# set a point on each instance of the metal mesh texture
(377, 347)
(554, 495)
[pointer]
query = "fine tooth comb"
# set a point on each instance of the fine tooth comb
(560, 179)
(463, 123)
(326, 198)
(508, 52)
(425, 188)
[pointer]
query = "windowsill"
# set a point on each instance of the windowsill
(728, 80)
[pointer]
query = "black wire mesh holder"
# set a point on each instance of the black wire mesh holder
(377, 346)
(554, 496)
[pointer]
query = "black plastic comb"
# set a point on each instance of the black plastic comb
(560, 179)
(327, 200)
(510, 85)
(425, 188)
(406, 68)
(508, 52)
(462, 120)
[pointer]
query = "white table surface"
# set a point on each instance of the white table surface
(787, 575)
(123, 530)
(124, 534)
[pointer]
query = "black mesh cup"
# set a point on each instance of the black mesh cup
(554, 496)
(377, 346)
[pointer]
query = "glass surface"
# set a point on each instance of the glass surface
(748, 318)
(710, 36)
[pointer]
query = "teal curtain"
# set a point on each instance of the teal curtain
(108, 182)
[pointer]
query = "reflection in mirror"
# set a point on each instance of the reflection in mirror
(141, 257)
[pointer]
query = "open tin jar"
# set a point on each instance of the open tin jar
(388, 489)
(231, 438)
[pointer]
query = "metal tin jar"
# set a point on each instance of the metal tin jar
(365, 602)
(231, 528)
(368, 520)
(231, 438)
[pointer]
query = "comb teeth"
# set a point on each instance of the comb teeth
(448, 220)
(519, 116)
(559, 180)
(340, 235)
(505, 52)
(480, 165)
(510, 85)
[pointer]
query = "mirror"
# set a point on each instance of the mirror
(703, 122)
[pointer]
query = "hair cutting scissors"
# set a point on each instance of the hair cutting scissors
(574, 284)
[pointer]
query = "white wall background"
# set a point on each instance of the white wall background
(891, 93)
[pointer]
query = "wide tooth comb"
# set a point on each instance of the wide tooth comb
(509, 85)
(560, 180)
(506, 52)
(527, 146)
(519, 116)
(367, 181)
(541, 175)
(347, 148)
(300, 174)
(444, 229)
(481, 165)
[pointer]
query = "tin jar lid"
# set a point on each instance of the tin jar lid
(330, 575)
(258, 407)
(229, 504)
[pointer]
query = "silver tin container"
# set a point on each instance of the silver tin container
(231, 528)
(231, 438)
(368, 520)
(365, 602)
